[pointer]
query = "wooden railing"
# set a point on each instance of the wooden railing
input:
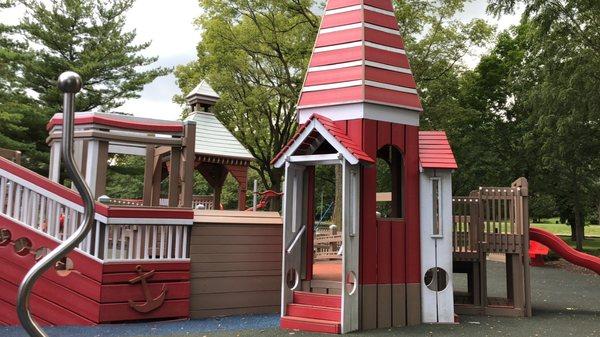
(206, 201)
(120, 234)
(327, 244)
(12, 155)
(492, 219)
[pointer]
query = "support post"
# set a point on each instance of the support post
(54, 170)
(148, 175)
(187, 164)
(174, 179)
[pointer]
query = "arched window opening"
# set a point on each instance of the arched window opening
(390, 187)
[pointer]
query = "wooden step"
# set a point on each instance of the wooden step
(317, 300)
(315, 312)
(310, 325)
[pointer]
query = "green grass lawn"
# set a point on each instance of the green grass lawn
(562, 229)
(592, 243)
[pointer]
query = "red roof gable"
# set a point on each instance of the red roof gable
(334, 131)
(435, 151)
(359, 56)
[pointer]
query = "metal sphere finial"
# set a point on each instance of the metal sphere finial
(69, 82)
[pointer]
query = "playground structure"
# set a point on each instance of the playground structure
(161, 258)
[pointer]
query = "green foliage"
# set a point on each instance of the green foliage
(14, 103)
(542, 206)
(125, 177)
(85, 36)
(254, 54)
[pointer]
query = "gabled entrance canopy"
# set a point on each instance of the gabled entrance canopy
(319, 140)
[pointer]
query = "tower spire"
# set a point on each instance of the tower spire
(359, 65)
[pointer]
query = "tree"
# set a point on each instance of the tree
(13, 100)
(87, 37)
(254, 53)
(564, 124)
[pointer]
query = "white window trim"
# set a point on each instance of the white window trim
(437, 180)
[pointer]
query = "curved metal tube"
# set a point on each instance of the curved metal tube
(70, 84)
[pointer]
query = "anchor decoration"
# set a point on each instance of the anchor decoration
(151, 303)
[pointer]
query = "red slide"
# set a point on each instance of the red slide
(563, 249)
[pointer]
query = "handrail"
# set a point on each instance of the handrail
(296, 239)
(70, 84)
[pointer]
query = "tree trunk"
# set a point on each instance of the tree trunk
(579, 230)
(276, 178)
(571, 223)
(337, 207)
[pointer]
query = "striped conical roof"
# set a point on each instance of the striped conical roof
(359, 57)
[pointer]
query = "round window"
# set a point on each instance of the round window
(292, 279)
(436, 279)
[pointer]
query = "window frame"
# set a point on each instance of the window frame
(433, 227)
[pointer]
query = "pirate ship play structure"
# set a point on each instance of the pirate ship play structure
(160, 258)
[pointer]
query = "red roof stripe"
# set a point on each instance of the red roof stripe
(336, 56)
(341, 19)
(335, 4)
(339, 37)
(386, 57)
(334, 76)
(390, 77)
(392, 97)
(380, 19)
(383, 38)
(329, 97)
(383, 4)
(435, 151)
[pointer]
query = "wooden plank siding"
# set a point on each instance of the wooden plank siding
(236, 263)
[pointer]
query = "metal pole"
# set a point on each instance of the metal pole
(254, 195)
(70, 84)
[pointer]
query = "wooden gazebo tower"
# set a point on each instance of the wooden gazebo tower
(218, 152)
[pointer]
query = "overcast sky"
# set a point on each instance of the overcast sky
(169, 25)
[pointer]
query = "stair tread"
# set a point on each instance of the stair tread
(311, 320)
(310, 306)
(317, 294)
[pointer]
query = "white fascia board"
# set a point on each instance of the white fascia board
(372, 111)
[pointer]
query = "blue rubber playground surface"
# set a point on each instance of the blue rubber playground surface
(565, 303)
(173, 328)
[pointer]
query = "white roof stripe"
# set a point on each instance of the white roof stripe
(357, 83)
(336, 66)
(333, 86)
(386, 48)
(343, 10)
(388, 67)
(391, 87)
(359, 25)
(341, 28)
(382, 29)
(359, 63)
(338, 46)
(379, 10)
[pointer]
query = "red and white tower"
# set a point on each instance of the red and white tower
(360, 96)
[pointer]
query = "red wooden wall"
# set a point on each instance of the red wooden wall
(92, 292)
(390, 249)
